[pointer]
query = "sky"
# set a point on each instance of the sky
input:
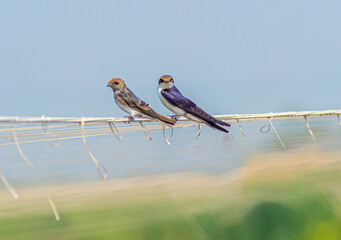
(229, 57)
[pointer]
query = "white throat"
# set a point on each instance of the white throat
(166, 85)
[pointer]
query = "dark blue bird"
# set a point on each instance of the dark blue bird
(172, 98)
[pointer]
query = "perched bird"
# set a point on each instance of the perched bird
(133, 105)
(172, 98)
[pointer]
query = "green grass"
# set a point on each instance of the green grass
(303, 208)
(313, 217)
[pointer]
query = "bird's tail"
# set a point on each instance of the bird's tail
(222, 123)
(217, 126)
(165, 119)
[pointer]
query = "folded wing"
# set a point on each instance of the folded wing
(128, 98)
(174, 96)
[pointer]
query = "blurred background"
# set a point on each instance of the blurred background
(230, 58)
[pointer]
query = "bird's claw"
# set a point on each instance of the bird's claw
(130, 118)
(176, 117)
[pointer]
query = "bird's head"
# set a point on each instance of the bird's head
(166, 81)
(116, 84)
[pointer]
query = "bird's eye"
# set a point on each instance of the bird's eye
(116, 83)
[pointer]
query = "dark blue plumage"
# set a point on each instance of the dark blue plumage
(175, 98)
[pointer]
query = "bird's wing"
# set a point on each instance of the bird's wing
(174, 96)
(128, 98)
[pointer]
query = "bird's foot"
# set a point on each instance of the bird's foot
(130, 118)
(176, 117)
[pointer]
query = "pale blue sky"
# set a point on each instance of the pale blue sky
(56, 57)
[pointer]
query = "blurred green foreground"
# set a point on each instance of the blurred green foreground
(273, 196)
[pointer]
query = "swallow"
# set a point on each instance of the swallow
(172, 98)
(133, 105)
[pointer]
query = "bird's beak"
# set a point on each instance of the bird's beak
(108, 85)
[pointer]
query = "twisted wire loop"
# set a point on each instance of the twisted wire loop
(8, 186)
(270, 125)
(98, 164)
(309, 130)
(265, 125)
(165, 135)
(44, 126)
(338, 118)
(240, 127)
(145, 131)
(41, 178)
(115, 131)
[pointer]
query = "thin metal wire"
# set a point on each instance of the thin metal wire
(44, 126)
(65, 128)
(91, 132)
(227, 118)
(199, 130)
(112, 127)
(270, 125)
(8, 186)
(64, 138)
(165, 135)
(309, 130)
(240, 127)
(42, 180)
(266, 125)
(146, 131)
(279, 138)
(98, 164)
